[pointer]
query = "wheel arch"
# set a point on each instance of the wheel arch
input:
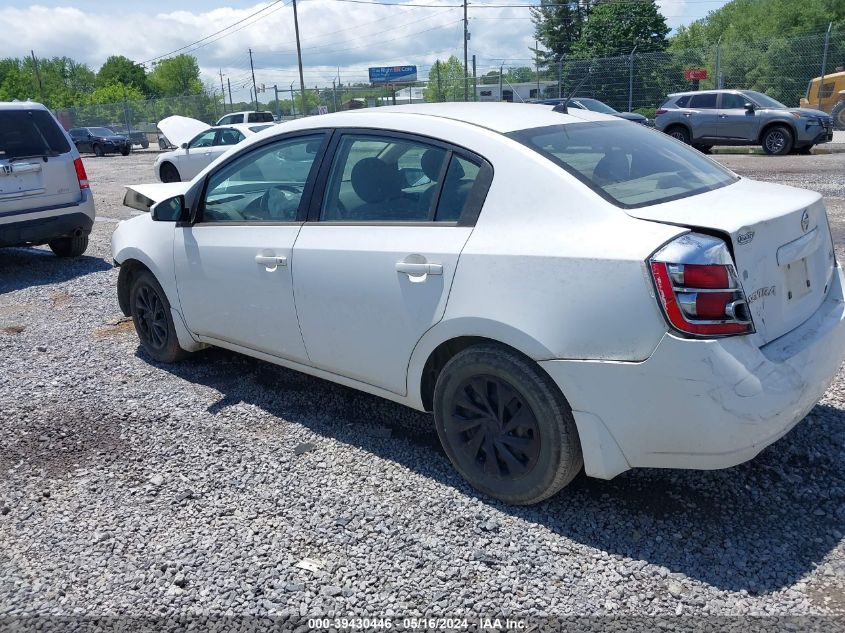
(125, 276)
(679, 124)
(770, 124)
(442, 342)
(171, 164)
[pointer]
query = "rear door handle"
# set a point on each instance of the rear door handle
(416, 270)
(271, 261)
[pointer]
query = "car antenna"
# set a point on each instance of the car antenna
(561, 107)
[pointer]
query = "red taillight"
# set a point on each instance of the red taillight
(697, 298)
(81, 176)
(660, 111)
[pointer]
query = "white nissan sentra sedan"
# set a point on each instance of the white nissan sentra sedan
(559, 289)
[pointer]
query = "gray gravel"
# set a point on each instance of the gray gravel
(226, 485)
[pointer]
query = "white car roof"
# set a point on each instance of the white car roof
(499, 117)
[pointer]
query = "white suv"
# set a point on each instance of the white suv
(247, 116)
(44, 192)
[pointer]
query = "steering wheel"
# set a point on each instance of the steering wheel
(279, 200)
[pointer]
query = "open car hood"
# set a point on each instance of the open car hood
(181, 129)
(142, 197)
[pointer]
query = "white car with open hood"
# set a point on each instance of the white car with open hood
(559, 289)
(197, 145)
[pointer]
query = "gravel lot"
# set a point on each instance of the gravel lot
(139, 489)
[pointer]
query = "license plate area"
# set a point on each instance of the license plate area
(798, 283)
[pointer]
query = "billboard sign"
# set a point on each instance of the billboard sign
(695, 74)
(393, 74)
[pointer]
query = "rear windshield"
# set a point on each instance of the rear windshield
(626, 163)
(30, 133)
(258, 128)
(260, 117)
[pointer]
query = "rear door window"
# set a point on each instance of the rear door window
(703, 102)
(260, 117)
(30, 133)
(731, 101)
(229, 136)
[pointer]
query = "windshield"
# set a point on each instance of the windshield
(30, 133)
(597, 106)
(101, 131)
(629, 165)
(764, 101)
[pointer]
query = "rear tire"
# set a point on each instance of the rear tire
(777, 140)
(98, 151)
(145, 145)
(680, 133)
(125, 151)
(169, 173)
(838, 114)
(69, 246)
(505, 425)
(153, 320)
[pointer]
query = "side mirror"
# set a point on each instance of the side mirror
(184, 146)
(749, 106)
(170, 210)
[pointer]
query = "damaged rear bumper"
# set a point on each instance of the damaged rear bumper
(702, 404)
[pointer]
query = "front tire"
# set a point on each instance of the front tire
(125, 151)
(69, 246)
(153, 320)
(505, 425)
(680, 133)
(169, 173)
(838, 114)
(777, 140)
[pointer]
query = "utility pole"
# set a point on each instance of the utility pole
(126, 111)
(292, 102)
(231, 104)
(334, 94)
(41, 86)
(824, 64)
(501, 77)
(222, 91)
(718, 77)
(631, 81)
(278, 107)
(537, 66)
(254, 87)
(466, 61)
(474, 80)
(560, 77)
(439, 87)
(299, 58)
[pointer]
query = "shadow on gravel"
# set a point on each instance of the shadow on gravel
(27, 267)
(757, 527)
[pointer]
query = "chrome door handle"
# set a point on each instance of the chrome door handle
(271, 261)
(416, 270)
(723, 116)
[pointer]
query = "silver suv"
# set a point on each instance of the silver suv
(741, 117)
(44, 192)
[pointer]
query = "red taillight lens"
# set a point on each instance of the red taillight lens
(700, 299)
(81, 176)
(660, 111)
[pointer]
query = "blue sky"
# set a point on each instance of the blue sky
(337, 37)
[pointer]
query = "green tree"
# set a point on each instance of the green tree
(557, 26)
(616, 28)
(450, 85)
(118, 69)
(176, 77)
(114, 93)
(520, 74)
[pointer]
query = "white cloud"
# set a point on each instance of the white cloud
(349, 35)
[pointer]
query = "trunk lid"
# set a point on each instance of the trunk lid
(35, 183)
(780, 240)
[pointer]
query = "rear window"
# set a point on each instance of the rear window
(258, 128)
(682, 101)
(629, 165)
(260, 117)
(705, 101)
(30, 133)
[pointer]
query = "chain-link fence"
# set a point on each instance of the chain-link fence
(782, 68)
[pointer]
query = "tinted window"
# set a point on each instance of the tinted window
(265, 185)
(30, 133)
(459, 181)
(259, 117)
(629, 165)
(227, 120)
(731, 101)
(762, 100)
(377, 179)
(597, 106)
(229, 137)
(206, 139)
(101, 131)
(258, 128)
(682, 102)
(703, 102)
